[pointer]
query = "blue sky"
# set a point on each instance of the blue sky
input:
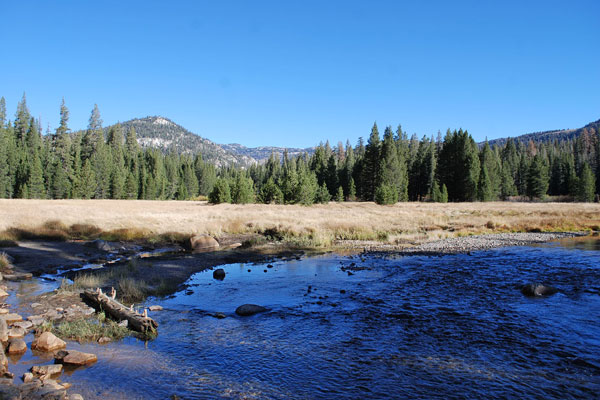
(296, 73)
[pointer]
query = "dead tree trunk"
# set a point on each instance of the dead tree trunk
(119, 312)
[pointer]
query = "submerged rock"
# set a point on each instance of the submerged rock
(155, 308)
(538, 290)
(247, 310)
(219, 274)
(74, 357)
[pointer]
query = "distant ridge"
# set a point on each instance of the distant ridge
(559, 135)
(164, 134)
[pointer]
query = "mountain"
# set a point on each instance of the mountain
(163, 134)
(550, 136)
(262, 153)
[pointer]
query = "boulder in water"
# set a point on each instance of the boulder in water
(538, 290)
(219, 274)
(74, 357)
(199, 243)
(247, 310)
(47, 342)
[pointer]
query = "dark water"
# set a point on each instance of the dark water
(419, 327)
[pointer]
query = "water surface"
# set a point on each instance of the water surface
(455, 326)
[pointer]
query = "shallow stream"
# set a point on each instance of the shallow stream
(455, 326)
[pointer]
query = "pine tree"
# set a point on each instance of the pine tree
(242, 191)
(586, 185)
(221, 192)
(339, 197)
(352, 191)
(371, 168)
(484, 188)
(537, 179)
(270, 193)
(322, 195)
(87, 181)
(386, 194)
(131, 186)
(35, 183)
(444, 198)
(93, 137)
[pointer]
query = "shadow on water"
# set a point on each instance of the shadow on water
(420, 327)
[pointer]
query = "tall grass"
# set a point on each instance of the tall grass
(318, 225)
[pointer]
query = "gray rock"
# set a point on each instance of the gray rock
(219, 274)
(247, 310)
(538, 290)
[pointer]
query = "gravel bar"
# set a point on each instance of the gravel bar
(467, 244)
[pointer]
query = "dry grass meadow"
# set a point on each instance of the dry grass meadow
(318, 225)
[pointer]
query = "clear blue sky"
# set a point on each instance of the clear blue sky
(294, 73)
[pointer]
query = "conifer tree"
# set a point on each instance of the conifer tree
(221, 192)
(537, 179)
(370, 172)
(270, 193)
(35, 182)
(322, 195)
(87, 182)
(242, 190)
(484, 188)
(339, 197)
(586, 185)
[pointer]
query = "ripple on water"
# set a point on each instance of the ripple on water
(419, 327)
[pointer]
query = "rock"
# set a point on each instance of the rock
(342, 291)
(219, 315)
(26, 325)
(203, 243)
(4, 311)
(10, 392)
(155, 308)
(27, 377)
(219, 274)
(104, 340)
(3, 331)
(74, 357)
(3, 363)
(270, 266)
(47, 342)
(538, 290)
(75, 396)
(36, 319)
(16, 346)
(3, 293)
(102, 245)
(51, 369)
(18, 276)
(124, 323)
(35, 305)
(247, 310)
(16, 332)
(11, 318)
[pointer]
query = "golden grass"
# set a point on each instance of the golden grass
(316, 225)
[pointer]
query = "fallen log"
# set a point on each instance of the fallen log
(119, 312)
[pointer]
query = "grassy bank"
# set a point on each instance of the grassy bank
(318, 225)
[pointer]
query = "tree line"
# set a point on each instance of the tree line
(386, 169)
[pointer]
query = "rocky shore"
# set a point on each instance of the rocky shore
(467, 244)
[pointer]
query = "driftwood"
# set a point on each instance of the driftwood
(118, 311)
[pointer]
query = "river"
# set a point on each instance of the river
(454, 326)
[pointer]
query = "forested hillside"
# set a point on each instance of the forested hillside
(385, 169)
